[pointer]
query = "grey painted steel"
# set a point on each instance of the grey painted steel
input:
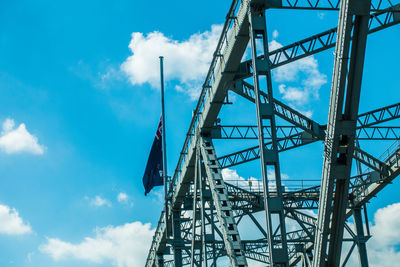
(358, 224)
(319, 5)
(280, 109)
(379, 115)
(224, 71)
(160, 260)
(194, 215)
(370, 161)
(178, 243)
(319, 42)
(222, 204)
(372, 184)
(365, 193)
(291, 142)
(202, 209)
(164, 143)
(340, 133)
(198, 200)
(278, 251)
(306, 219)
(158, 243)
(346, 259)
(361, 240)
(361, 195)
(365, 120)
(250, 132)
(210, 102)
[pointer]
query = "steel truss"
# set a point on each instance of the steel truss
(206, 214)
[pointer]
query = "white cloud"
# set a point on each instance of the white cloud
(252, 184)
(231, 175)
(383, 247)
(124, 198)
(273, 45)
(11, 223)
(185, 61)
(321, 15)
(307, 113)
(8, 125)
(29, 257)
(122, 246)
(275, 34)
(18, 140)
(98, 201)
(304, 74)
(386, 231)
(299, 80)
(293, 94)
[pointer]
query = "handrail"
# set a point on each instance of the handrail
(205, 89)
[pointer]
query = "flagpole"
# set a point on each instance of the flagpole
(164, 141)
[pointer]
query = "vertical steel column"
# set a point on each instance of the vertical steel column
(202, 209)
(194, 215)
(213, 227)
(361, 242)
(198, 199)
(358, 225)
(178, 243)
(278, 252)
(340, 134)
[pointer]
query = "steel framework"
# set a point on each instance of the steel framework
(201, 222)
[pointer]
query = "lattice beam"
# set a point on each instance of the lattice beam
(247, 132)
(319, 42)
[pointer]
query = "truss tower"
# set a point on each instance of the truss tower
(200, 224)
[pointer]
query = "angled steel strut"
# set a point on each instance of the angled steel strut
(222, 205)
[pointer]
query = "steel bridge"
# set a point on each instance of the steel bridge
(200, 224)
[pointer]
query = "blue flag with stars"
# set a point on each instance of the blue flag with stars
(153, 174)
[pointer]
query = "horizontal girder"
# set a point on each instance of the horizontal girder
(250, 132)
(320, 4)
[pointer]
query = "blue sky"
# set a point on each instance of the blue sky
(79, 112)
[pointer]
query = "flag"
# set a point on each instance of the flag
(153, 175)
